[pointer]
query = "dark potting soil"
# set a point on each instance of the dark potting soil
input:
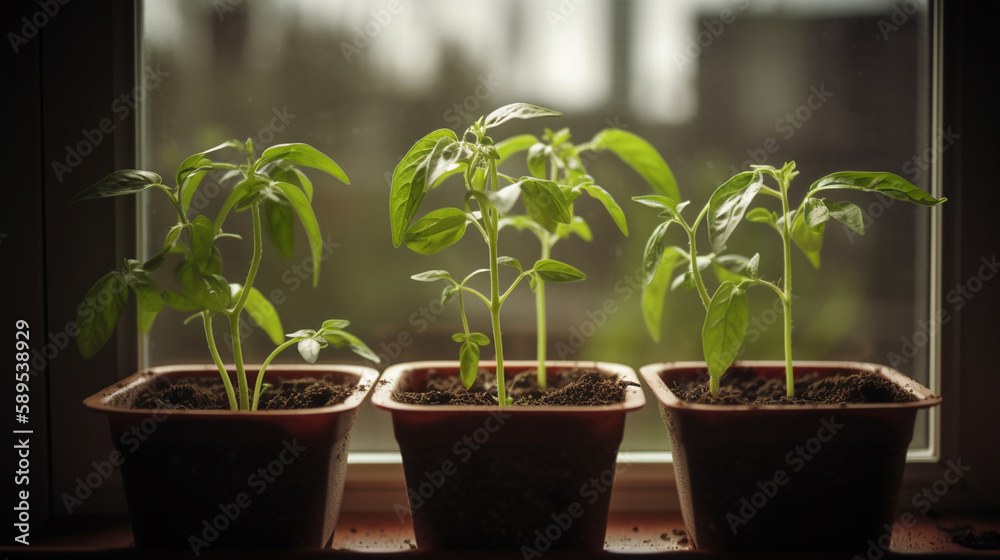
(970, 538)
(741, 386)
(571, 387)
(205, 393)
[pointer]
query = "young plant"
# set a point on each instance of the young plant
(271, 185)
(442, 154)
(727, 315)
(556, 157)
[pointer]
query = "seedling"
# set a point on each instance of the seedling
(548, 204)
(556, 157)
(271, 185)
(727, 314)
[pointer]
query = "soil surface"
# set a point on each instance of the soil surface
(204, 393)
(570, 387)
(741, 386)
(970, 538)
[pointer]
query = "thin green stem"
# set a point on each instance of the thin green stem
(695, 271)
(206, 318)
(542, 334)
(263, 369)
(234, 317)
(713, 385)
(787, 284)
(495, 302)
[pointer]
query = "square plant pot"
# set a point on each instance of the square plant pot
(507, 478)
(206, 479)
(787, 477)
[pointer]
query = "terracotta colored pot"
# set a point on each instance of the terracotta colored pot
(486, 477)
(214, 478)
(822, 477)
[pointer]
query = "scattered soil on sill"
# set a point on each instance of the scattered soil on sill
(571, 387)
(204, 393)
(741, 386)
(970, 538)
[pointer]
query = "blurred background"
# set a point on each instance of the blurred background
(715, 86)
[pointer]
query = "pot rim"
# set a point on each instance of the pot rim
(650, 374)
(367, 376)
(382, 393)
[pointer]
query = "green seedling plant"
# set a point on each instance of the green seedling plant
(485, 203)
(556, 157)
(273, 190)
(726, 312)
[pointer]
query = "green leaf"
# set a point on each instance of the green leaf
(653, 253)
(518, 111)
(479, 338)
(180, 302)
(198, 289)
(409, 183)
(262, 311)
(447, 293)
(445, 160)
(147, 294)
(278, 224)
(195, 161)
(510, 261)
(468, 359)
(437, 230)
(459, 337)
(609, 204)
(303, 154)
(245, 190)
(503, 200)
(293, 176)
(818, 211)
(554, 271)
(728, 204)
(202, 232)
(753, 265)
(189, 186)
(655, 289)
(125, 181)
(809, 240)
(538, 157)
(338, 339)
(725, 326)
(641, 156)
(578, 226)
(146, 319)
(888, 184)
(514, 145)
(546, 203)
(336, 324)
(305, 212)
(309, 349)
(99, 313)
(432, 276)
(157, 260)
(762, 216)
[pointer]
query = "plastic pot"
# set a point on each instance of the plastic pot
(489, 477)
(787, 477)
(215, 478)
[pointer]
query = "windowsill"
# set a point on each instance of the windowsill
(366, 533)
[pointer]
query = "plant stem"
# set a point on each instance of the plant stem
(492, 230)
(234, 317)
(540, 318)
(263, 369)
(786, 300)
(713, 385)
(206, 318)
(706, 299)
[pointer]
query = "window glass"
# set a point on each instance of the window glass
(715, 85)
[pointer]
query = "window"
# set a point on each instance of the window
(715, 86)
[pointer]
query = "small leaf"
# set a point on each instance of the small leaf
(513, 145)
(202, 232)
(479, 338)
(809, 240)
(445, 159)
(518, 111)
(654, 252)
(578, 226)
(641, 156)
(510, 261)
(122, 182)
(146, 319)
(432, 276)
(846, 213)
(538, 157)
(246, 190)
(468, 358)
(554, 271)
(309, 349)
(293, 176)
(459, 337)
(409, 183)
(546, 203)
(888, 184)
(437, 230)
(262, 311)
(654, 291)
(195, 161)
(147, 294)
(447, 293)
(753, 265)
(728, 204)
(303, 154)
(336, 324)
(339, 339)
(725, 326)
(504, 199)
(762, 216)
(658, 201)
(99, 313)
(306, 215)
(609, 204)
(279, 226)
